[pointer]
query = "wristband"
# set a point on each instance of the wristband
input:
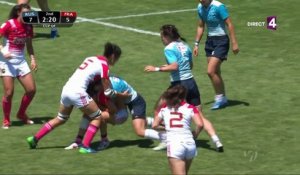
(196, 43)
(157, 69)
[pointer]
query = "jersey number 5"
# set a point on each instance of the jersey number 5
(85, 64)
(175, 120)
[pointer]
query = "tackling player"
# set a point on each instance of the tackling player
(13, 63)
(137, 107)
(179, 63)
(74, 94)
(177, 116)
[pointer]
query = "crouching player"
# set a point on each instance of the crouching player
(177, 116)
(118, 114)
(74, 94)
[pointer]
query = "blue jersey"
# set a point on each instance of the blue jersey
(214, 17)
(180, 52)
(120, 85)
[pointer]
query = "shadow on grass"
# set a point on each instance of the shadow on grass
(232, 103)
(142, 143)
(36, 120)
(204, 144)
(43, 36)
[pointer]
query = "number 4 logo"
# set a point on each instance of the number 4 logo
(272, 22)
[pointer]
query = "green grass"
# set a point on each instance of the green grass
(260, 130)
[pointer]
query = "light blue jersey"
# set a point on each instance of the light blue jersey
(180, 52)
(214, 17)
(120, 85)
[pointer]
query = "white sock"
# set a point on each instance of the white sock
(219, 97)
(149, 121)
(163, 136)
(215, 138)
(152, 134)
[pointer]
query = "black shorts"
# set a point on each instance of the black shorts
(193, 94)
(137, 107)
(217, 46)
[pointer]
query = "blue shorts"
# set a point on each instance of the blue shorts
(217, 46)
(137, 107)
(193, 94)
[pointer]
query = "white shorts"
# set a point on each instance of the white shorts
(14, 70)
(181, 150)
(79, 99)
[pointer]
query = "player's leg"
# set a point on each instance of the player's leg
(177, 166)
(84, 123)
(210, 130)
(28, 84)
(95, 115)
(8, 91)
(62, 116)
(43, 4)
(188, 163)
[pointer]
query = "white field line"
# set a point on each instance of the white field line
(96, 21)
(144, 14)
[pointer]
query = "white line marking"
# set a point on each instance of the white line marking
(145, 14)
(119, 26)
(82, 19)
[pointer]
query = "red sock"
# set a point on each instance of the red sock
(43, 131)
(89, 135)
(6, 106)
(26, 100)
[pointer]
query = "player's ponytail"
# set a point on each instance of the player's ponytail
(14, 12)
(110, 49)
(170, 31)
(175, 95)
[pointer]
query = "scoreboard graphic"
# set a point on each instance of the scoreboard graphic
(49, 18)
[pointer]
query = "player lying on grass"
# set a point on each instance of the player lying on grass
(74, 94)
(117, 108)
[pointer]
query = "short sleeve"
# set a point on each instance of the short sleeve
(223, 12)
(170, 56)
(4, 29)
(199, 12)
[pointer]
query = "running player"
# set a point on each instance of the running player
(137, 107)
(177, 116)
(74, 94)
(179, 63)
(13, 63)
(215, 15)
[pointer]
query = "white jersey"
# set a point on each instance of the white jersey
(92, 69)
(178, 122)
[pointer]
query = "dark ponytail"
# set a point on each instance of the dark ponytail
(175, 95)
(17, 9)
(170, 31)
(110, 49)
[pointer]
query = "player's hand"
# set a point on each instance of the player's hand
(235, 48)
(34, 65)
(195, 51)
(6, 54)
(149, 68)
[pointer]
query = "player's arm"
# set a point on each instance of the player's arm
(199, 34)
(30, 52)
(171, 66)
(234, 43)
(110, 92)
(157, 122)
(4, 27)
(198, 124)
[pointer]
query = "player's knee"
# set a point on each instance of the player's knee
(121, 116)
(140, 132)
(95, 115)
(31, 92)
(63, 117)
